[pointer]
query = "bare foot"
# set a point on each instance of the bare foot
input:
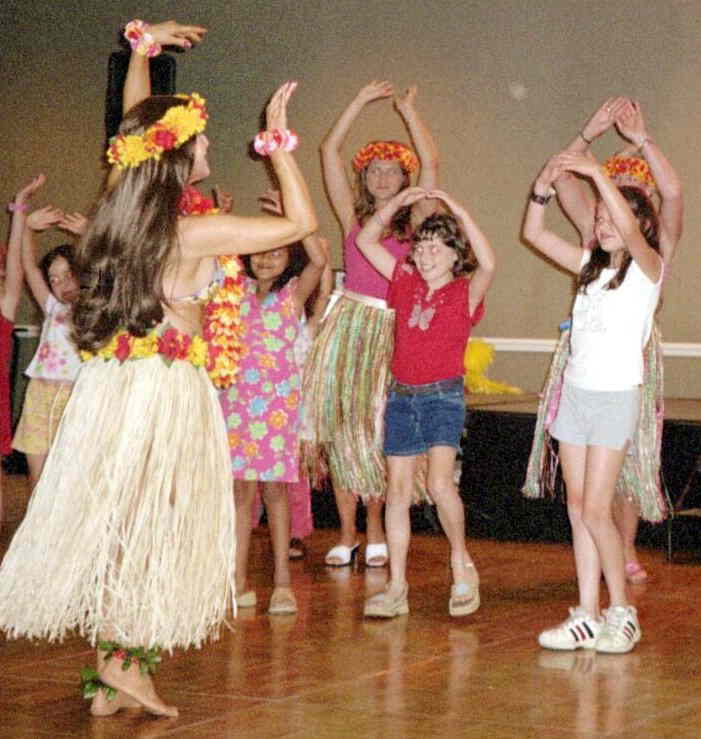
(102, 706)
(135, 685)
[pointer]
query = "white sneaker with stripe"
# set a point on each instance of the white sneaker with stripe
(579, 631)
(621, 631)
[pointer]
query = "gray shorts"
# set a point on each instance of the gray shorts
(597, 417)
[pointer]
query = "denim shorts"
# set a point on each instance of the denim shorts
(596, 418)
(418, 417)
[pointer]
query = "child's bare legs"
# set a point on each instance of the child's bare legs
(278, 510)
(346, 503)
(451, 512)
(586, 556)
(35, 462)
(626, 515)
(602, 469)
(244, 495)
(590, 476)
(401, 471)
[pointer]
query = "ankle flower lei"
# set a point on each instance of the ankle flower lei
(223, 328)
(179, 124)
(147, 659)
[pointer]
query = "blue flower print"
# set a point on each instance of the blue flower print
(257, 406)
(251, 376)
(283, 388)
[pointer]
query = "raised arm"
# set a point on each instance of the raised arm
(575, 197)
(369, 238)
(137, 86)
(39, 220)
(325, 289)
(213, 235)
(535, 232)
(482, 277)
(631, 125)
(311, 274)
(338, 186)
(13, 266)
(425, 147)
(622, 216)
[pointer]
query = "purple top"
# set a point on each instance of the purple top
(361, 276)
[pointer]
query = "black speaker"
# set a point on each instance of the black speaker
(162, 83)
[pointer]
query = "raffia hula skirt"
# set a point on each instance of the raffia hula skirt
(344, 391)
(130, 530)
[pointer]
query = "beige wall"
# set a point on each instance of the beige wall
(466, 56)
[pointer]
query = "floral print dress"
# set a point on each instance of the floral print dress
(261, 408)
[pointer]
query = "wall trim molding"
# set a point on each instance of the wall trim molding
(540, 346)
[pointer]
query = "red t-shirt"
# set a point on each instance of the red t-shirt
(430, 334)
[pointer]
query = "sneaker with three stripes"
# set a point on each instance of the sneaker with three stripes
(621, 631)
(579, 631)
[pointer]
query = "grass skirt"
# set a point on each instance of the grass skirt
(344, 393)
(130, 530)
(640, 479)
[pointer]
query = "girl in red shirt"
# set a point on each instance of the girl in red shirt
(435, 306)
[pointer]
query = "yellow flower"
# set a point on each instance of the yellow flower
(197, 352)
(145, 346)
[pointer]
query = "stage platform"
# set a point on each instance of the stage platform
(495, 456)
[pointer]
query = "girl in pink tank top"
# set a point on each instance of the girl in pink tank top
(356, 338)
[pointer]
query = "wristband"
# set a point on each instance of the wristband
(17, 207)
(646, 140)
(585, 139)
(540, 199)
(266, 142)
(140, 40)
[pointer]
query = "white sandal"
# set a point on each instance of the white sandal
(343, 554)
(376, 551)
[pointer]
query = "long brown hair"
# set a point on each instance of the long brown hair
(123, 256)
(644, 211)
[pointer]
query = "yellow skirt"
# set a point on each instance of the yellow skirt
(130, 530)
(44, 403)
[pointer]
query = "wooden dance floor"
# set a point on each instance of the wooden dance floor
(327, 672)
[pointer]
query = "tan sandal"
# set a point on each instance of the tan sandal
(464, 596)
(381, 605)
(282, 602)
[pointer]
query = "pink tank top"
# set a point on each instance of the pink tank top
(361, 276)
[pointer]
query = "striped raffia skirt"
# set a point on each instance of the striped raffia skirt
(130, 530)
(344, 393)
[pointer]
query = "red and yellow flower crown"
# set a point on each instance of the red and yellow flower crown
(631, 170)
(386, 150)
(179, 124)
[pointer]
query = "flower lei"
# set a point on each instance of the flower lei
(220, 348)
(223, 328)
(147, 659)
(179, 124)
(386, 150)
(627, 170)
(171, 344)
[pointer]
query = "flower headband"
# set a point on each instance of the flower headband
(179, 124)
(386, 150)
(627, 170)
